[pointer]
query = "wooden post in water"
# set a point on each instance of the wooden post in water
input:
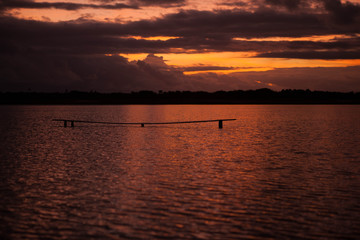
(220, 124)
(72, 123)
(65, 123)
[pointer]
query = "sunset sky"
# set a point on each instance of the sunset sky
(132, 45)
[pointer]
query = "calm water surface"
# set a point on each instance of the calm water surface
(278, 172)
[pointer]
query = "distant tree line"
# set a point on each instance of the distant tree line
(259, 96)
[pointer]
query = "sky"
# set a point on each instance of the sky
(179, 45)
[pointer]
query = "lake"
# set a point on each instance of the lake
(277, 172)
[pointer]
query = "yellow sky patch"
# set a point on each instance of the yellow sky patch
(155, 38)
(240, 62)
(230, 71)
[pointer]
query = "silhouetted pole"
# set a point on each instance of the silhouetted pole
(142, 125)
(72, 123)
(220, 124)
(65, 123)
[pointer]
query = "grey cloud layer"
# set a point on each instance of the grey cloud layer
(111, 5)
(101, 73)
(30, 4)
(199, 31)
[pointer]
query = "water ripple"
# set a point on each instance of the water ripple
(279, 172)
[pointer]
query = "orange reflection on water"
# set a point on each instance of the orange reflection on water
(274, 170)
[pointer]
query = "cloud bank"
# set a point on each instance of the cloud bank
(116, 74)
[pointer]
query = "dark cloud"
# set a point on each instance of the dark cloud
(339, 44)
(234, 23)
(104, 4)
(290, 4)
(260, 4)
(343, 13)
(11, 4)
(69, 44)
(85, 46)
(198, 31)
(340, 12)
(233, 3)
(156, 61)
(238, 23)
(106, 74)
(343, 79)
(101, 73)
(224, 24)
(161, 3)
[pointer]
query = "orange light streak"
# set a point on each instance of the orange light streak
(241, 62)
(324, 38)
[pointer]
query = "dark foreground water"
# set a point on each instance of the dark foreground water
(278, 172)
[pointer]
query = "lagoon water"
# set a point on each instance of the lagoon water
(278, 172)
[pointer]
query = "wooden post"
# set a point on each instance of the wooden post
(72, 123)
(142, 125)
(65, 123)
(220, 124)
